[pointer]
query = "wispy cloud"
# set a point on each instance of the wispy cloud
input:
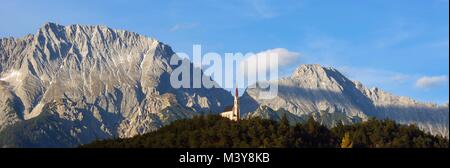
(391, 79)
(438, 44)
(376, 77)
(398, 32)
(393, 40)
(262, 8)
(255, 9)
(431, 81)
(323, 49)
(182, 26)
(442, 1)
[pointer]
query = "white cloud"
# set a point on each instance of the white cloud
(180, 26)
(253, 66)
(284, 56)
(431, 81)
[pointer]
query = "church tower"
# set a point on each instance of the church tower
(236, 111)
(233, 112)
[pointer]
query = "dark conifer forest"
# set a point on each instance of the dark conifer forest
(217, 132)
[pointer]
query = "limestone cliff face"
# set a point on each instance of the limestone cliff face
(330, 97)
(107, 83)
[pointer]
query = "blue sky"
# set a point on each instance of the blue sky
(401, 46)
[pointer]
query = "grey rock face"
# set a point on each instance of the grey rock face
(330, 97)
(105, 82)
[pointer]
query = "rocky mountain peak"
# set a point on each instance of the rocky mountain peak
(314, 76)
(93, 35)
(316, 90)
(107, 82)
(315, 69)
(50, 26)
(307, 70)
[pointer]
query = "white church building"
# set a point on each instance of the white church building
(232, 112)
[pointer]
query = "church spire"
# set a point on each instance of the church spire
(237, 93)
(236, 111)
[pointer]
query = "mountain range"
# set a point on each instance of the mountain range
(328, 96)
(70, 85)
(94, 83)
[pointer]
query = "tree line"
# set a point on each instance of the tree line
(212, 131)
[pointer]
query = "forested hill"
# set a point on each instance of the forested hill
(218, 132)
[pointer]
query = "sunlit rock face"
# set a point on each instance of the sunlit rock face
(99, 82)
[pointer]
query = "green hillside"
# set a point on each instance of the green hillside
(218, 132)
